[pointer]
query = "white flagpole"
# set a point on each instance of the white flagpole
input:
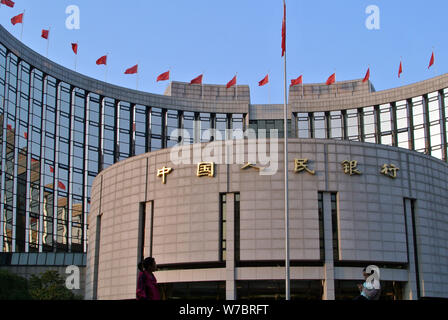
(48, 40)
(76, 55)
(285, 165)
(105, 72)
(202, 88)
(23, 22)
(301, 74)
(269, 87)
(136, 88)
(236, 86)
(435, 67)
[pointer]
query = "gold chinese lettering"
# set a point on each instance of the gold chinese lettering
(163, 173)
(250, 165)
(301, 165)
(390, 170)
(350, 167)
(206, 169)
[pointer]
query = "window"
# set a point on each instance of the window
(156, 129)
(320, 130)
(141, 129)
(369, 124)
(172, 123)
(303, 125)
(336, 125)
(419, 124)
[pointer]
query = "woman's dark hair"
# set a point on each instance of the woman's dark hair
(148, 263)
(140, 266)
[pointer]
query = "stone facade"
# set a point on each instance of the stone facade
(374, 222)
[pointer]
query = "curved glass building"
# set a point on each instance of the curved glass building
(59, 130)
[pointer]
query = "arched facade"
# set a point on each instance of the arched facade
(60, 129)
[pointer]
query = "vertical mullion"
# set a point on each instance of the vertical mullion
(86, 169)
(116, 131)
(3, 164)
(361, 128)
(344, 125)
(410, 113)
(70, 166)
(147, 129)
(376, 116)
(16, 157)
(132, 125)
(426, 124)
(393, 115)
(28, 164)
(101, 134)
(42, 162)
(311, 125)
(442, 124)
(327, 125)
(56, 165)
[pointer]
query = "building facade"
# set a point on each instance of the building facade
(59, 130)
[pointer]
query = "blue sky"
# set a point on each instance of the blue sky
(220, 38)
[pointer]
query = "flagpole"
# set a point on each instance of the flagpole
(301, 74)
(105, 72)
(48, 40)
(76, 55)
(23, 22)
(236, 86)
(285, 165)
(202, 88)
(435, 67)
(136, 88)
(335, 83)
(269, 88)
(368, 81)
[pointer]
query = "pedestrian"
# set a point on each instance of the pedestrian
(147, 288)
(370, 289)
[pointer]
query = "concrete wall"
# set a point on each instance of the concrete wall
(185, 220)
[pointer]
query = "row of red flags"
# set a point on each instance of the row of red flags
(198, 80)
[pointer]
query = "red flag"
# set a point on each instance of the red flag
(431, 62)
(51, 169)
(61, 185)
(400, 70)
(102, 60)
(284, 29)
(231, 83)
(45, 33)
(17, 19)
(331, 79)
(9, 127)
(75, 48)
(297, 81)
(132, 70)
(164, 76)
(264, 81)
(9, 3)
(25, 134)
(197, 80)
(367, 76)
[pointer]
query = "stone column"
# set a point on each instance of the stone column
(230, 247)
(410, 289)
(329, 293)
